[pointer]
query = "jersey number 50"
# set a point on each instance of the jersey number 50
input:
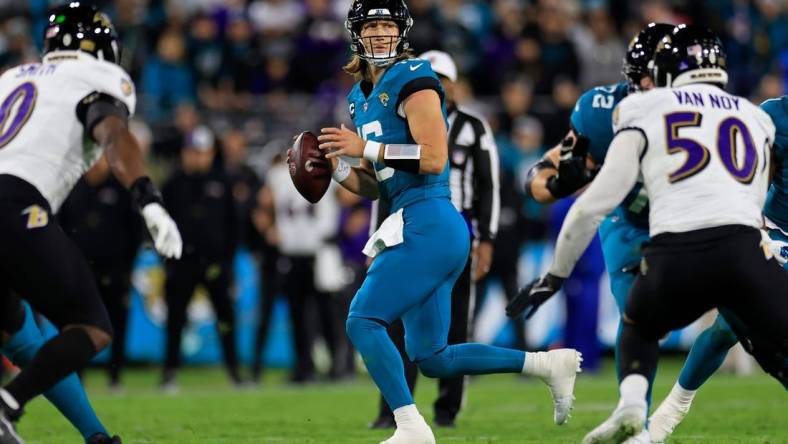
(12, 117)
(698, 155)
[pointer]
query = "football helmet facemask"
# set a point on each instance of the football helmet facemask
(362, 11)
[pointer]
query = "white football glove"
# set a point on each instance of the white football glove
(780, 251)
(165, 234)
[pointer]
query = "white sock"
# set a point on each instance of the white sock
(407, 414)
(681, 394)
(633, 388)
(535, 364)
(9, 400)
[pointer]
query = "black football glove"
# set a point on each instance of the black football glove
(533, 295)
(572, 172)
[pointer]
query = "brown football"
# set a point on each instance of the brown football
(309, 168)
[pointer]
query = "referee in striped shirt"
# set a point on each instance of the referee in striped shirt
(473, 159)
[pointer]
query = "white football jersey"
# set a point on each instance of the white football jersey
(706, 160)
(303, 227)
(41, 139)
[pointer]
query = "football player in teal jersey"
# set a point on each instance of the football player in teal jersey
(776, 208)
(422, 247)
(569, 167)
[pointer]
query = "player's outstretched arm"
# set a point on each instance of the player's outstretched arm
(617, 176)
(121, 148)
(125, 161)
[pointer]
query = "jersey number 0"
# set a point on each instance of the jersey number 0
(12, 117)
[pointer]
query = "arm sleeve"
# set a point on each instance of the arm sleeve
(96, 106)
(487, 206)
(617, 176)
(416, 85)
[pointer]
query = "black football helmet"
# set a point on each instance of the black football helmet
(640, 52)
(362, 11)
(79, 27)
(689, 54)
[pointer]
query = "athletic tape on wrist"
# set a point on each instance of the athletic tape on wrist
(341, 172)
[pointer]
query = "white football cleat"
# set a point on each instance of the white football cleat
(669, 414)
(413, 433)
(626, 422)
(563, 366)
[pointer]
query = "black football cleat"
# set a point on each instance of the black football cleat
(383, 422)
(444, 421)
(100, 438)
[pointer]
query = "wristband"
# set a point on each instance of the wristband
(372, 150)
(144, 192)
(341, 172)
(403, 157)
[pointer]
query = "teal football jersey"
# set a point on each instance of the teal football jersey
(592, 117)
(378, 115)
(776, 207)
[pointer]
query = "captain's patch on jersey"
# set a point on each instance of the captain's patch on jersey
(126, 87)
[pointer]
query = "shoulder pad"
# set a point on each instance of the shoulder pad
(594, 107)
(107, 78)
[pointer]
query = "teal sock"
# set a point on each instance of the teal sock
(472, 359)
(707, 354)
(67, 395)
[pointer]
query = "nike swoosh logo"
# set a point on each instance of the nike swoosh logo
(415, 67)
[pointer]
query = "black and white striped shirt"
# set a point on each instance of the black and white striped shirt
(474, 176)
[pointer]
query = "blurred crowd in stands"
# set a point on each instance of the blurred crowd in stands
(236, 79)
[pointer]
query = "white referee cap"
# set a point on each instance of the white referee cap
(442, 64)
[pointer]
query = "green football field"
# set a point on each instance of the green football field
(500, 409)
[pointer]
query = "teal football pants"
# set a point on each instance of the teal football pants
(413, 281)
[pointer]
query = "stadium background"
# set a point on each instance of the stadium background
(272, 68)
